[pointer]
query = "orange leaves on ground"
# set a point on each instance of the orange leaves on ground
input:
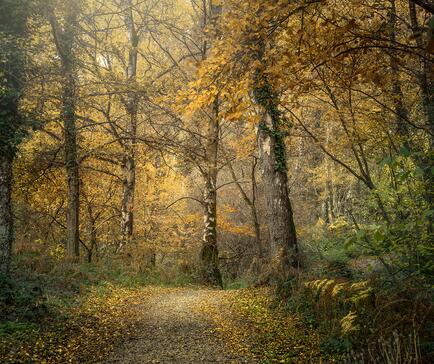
(247, 323)
(87, 330)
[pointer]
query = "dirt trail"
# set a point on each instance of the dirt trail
(173, 329)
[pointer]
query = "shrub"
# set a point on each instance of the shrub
(20, 300)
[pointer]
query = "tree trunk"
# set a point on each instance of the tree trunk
(6, 219)
(129, 158)
(425, 4)
(424, 79)
(71, 164)
(283, 239)
(254, 213)
(209, 252)
(398, 96)
(64, 40)
(93, 237)
(127, 208)
(425, 84)
(329, 190)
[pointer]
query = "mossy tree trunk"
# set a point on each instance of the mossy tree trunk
(13, 125)
(64, 37)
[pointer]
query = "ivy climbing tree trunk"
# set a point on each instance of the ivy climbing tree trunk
(13, 33)
(6, 220)
(65, 41)
(129, 144)
(209, 252)
(426, 89)
(425, 76)
(282, 233)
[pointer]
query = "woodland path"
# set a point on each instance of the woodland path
(174, 329)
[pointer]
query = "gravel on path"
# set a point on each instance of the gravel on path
(173, 329)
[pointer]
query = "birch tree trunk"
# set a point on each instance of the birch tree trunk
(209, 252)
(129, 158)
(6, 220)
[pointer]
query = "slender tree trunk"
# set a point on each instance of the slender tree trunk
(127, 208)
(93, 238)
(70, 134)
(129, 159)
(325, 214)
(209, 252)
(254, 212)
(6, 219)
(93, 245)
(283, 239)
(398, 96)
(64, 40)
(329, 191)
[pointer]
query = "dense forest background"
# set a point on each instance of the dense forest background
(223, 143)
